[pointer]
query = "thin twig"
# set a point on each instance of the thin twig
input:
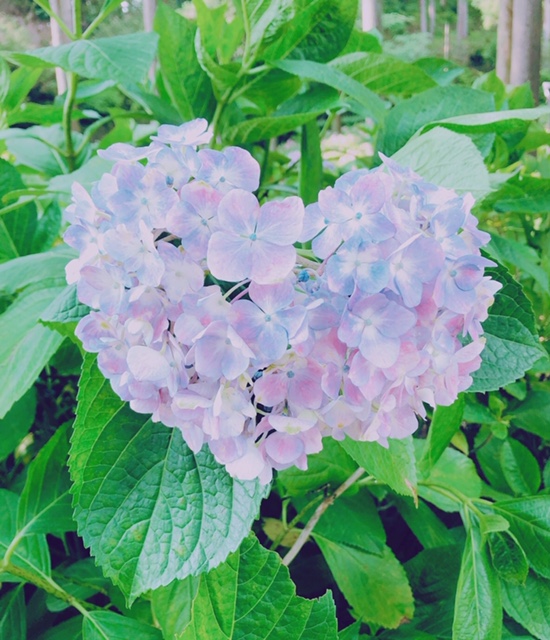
(307, 530)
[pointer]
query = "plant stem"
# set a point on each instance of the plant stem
(46, 7)
(67, 120)
(49, 586)
(288, 527)
(77, 18)
(327, 502)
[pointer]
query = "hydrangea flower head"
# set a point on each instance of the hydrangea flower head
(206, 314)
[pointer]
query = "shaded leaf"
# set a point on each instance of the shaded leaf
(150, 510)
(106, 625)
(508, 557)
(394, 466)
(252, 593)
(529, 604)
(17, 422)
(520, 467)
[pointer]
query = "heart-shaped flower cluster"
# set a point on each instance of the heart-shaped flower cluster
(213, 313)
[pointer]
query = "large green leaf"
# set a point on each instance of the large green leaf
(529, 520)
(376, 586)
(185, 81)
(529, 604)
(448, 159)
(332, 466)
(106, 625)
(509, 559)
(384, 74)
(45, 503)
(172, 605)
(511, 347)
(17, 422)
(13, 615)
(422, 521)
(444, 424)
(478, 608)
(452, 471)
(519, 256)
(124, 58)
(27, 346)
(32, 553)
(251, 595)
(319, 31)
(19, 225)
(394, 465)
(64, 312)
(407, 117)
(520, 468)
(495, 122)
(531, 196)
(533, 414)
(353, 521)
(337, 79)
(149, 509)
(267, 127)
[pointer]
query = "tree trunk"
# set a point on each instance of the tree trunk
(504, 40)
(64, 9)
(149, 9)
(370, 14)
(546, 20)
(423, 16)
(462, 19)
(526, 44)
(431, 15)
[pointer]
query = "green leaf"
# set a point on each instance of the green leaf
(21, 82)
(319, 31)
(511, 347)
(45, 504)
(34, 270)
(187, 84)
(337, 79)
(529, 520)
(462, 170)
(19, 224)
(82, 579)
(266, 92)
(4, 80)
(444, 424)
(106, 625)
(508, 557)
(520, 467)
(172, 605)
(311, 163)
(150, 510)
(68, 630)
(13, 615)
(407, 117)
(532, 195)
(519, 256)
(17, 422)
(64, 312)
(422, 521)
(394, 466)
(26, 346)
(452, 471)
(441, 70)
(384, 74)
(353, 521)
(32, 553)
(251, 593)
(376, 586)
(533, 414)
(123, 59)
(495, 122)
(332, 466)
(269, 127)
(47, 228)
(478, 608)
(529, 604)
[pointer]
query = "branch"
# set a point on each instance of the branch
(307, 530)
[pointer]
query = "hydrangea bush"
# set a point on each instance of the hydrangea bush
(260, 329)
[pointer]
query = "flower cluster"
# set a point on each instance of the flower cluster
(207, 316)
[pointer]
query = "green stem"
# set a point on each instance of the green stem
(67, 120)
(78, 18)
(97, 21)
(455, 495)
(54, 16)
(95, 126)
(49, 586)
